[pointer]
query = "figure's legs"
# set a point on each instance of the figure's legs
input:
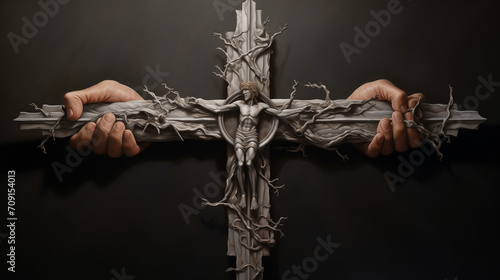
(252, 174)
(240, 175)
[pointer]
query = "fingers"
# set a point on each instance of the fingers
(130, 146)
(373, 148)
(391, 137)
(385, 128)
(399, 132)
(100, 140)
(107, 137)
(83, 138)
(115, 140)
(413, 138)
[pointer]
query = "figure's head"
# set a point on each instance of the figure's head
(250, 90)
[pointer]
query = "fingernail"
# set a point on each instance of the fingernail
(386, 125)
(69, 113)
(404, 108)
(128, 134)
(89, 129)
(408, 116)
(118, 126)
(108, 118)
(397, 116)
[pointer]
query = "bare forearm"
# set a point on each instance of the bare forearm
(208, 107)
(216, 109)
(287, 113)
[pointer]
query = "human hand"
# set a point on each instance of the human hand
(395, 137)
(105, 135)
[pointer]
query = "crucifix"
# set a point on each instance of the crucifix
(248, 120)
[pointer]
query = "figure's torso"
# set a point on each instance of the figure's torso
(249, 115)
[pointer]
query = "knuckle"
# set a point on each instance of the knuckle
(101, 129)
(114, 138)
(401, 95)
(99, 140)
(87, 131)
(70, 98)
(398, 127)
(382, 81)
(104, 127)
(408, 116)
(417, 95)
(67, 97)
(106, 83)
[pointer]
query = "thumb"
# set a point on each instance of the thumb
(74, 104)
(105, 91)
(389, 92)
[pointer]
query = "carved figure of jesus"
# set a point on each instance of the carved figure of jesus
(246, 140)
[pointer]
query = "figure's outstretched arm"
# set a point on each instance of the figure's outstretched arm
(216, 109)
(286, 113)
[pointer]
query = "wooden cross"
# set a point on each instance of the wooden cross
(248, 120)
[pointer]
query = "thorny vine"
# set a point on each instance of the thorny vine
(250, 56)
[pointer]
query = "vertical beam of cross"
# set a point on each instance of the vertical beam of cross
(245, 36)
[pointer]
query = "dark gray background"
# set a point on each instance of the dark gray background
(441, 223)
